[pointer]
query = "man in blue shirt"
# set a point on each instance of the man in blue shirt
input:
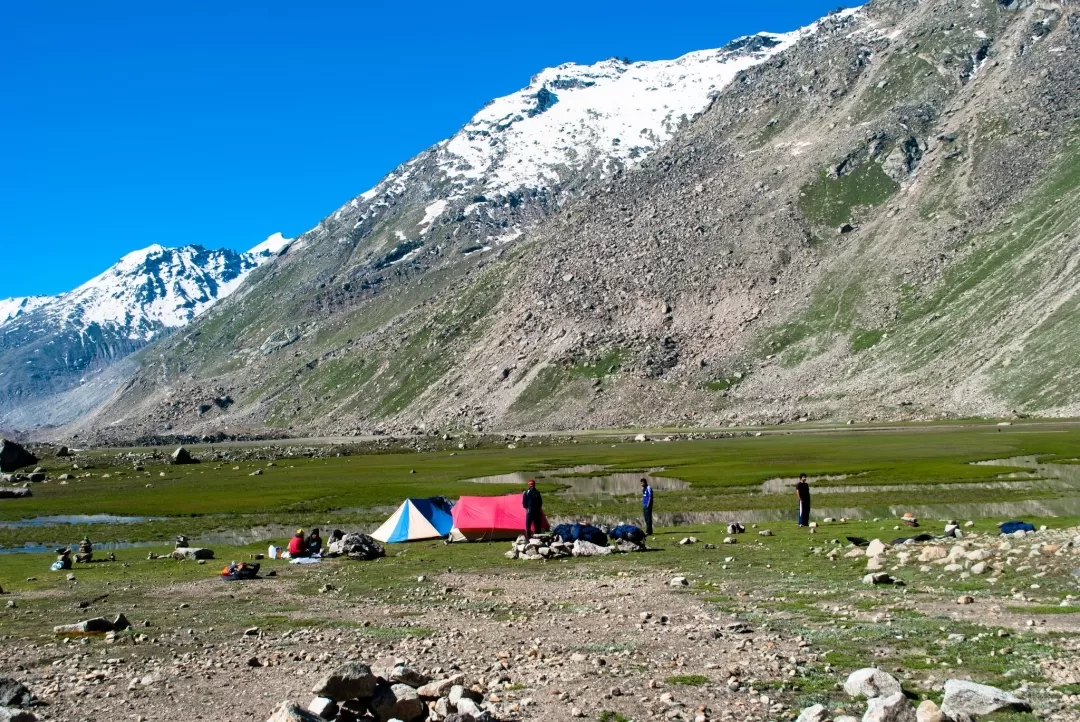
(646, 505)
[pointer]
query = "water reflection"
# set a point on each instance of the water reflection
(72, 519)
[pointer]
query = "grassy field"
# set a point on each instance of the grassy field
(784, 583)
(724, 475)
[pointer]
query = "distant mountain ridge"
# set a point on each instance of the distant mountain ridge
(50, 343)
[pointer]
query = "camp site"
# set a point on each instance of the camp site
(936, 557)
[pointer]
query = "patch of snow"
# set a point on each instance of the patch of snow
(271, 247)
(431, 213)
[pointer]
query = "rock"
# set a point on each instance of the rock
(933, 553)
(323, 707)
(844, 229)
(966, 599)
(291, 712)
(817, 713)
(467, 708)
(404, 674)
(855, 553)
(765, 532)
(97, 625)
(641, 438)
(928, 711)
(439, 688)
(878, 578)
(13, 456)
(191, 553)
(876, 548)
(871, 682)
(688, 540)
(357, 546)
(13, 693)
(979, 568)
(182, 456)
(894, 708)
(63, 451)
(678, 582)
(352, 680)
(964, 700)
(583, 548)
(874, 564)
(399, 701)
(20, 492)
(16, 714)
(36, 477)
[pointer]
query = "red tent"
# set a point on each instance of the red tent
(489, 517)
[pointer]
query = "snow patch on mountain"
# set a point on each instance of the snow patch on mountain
(271, 247)
(608, 115)
(13, 308)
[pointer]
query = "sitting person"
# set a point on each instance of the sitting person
(297, 547)
(63, 559)
(313, 544)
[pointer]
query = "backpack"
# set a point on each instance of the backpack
(1014, 526)
(584, 532)
(628, 532)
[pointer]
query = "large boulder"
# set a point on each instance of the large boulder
(16, 714)
(358, 546)
(399, 701)
(19, 492)
(894, 708)
(292, 712)
(13, 693)
(352, 680)
(871, 682)
(965, 700)
(13, 456)
(191, 553)
(182, 456)
(876, 548)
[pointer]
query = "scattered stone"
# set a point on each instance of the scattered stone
(352, 680)
(966, 599)
(928, 711)
(191, 553)
(679, 582)
(817, 713)
(879, 578)
(583, 548)
(894, 708)
(291, 712)
(765, 532)
(876, 548)
(16, 714)
(871, 682)
(398, 701)
(323, 707)
(964, 700)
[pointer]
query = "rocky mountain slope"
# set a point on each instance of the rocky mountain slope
(52, 345)
(879, 219)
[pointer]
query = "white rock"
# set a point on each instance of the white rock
(871, 682)
(679, 582)
(817, 713)
(928, 711)
(876, 548)
(894, 708)
(968, 699)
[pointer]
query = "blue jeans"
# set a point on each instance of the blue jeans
(804, 512)
(647, 512)
(532, 523)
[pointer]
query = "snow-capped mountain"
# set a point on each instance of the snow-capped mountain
(156, 288)
(570, 124)
(48, 343)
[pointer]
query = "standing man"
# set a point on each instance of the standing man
(646, 505)
(534, 506)
(803, 490)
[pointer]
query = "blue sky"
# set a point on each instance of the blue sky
(129, 123)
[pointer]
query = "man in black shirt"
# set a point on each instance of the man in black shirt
(534, 506)
(803, 490)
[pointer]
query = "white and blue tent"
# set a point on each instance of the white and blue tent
(417, 519)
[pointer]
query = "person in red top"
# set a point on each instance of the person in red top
(297, 547)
